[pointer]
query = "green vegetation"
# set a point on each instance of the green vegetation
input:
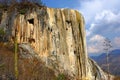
(2, 35)
(2, 32)
(1, 65)
(6, 3)
(22, 11)
(61, 77)
(19, 5)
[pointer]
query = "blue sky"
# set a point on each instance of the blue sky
(62, 3)
(102, 19)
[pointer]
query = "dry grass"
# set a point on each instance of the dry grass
(6, 60)
(117, 78)
(29, 69)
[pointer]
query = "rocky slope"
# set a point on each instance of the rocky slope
(114, 59)
(54, 36)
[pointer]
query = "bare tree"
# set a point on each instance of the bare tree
(107, 48)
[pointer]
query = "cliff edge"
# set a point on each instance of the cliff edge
(54, 36)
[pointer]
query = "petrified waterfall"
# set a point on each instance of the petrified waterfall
(58, 38)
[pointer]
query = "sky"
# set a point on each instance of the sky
(102, 20)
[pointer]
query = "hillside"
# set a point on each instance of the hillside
(29, 68)
(114, 61)
(41, 43)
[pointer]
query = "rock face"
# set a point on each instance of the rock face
(58, 38)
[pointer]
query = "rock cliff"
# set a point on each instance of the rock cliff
(55, 36)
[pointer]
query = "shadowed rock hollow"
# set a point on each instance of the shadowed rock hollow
(54, 36)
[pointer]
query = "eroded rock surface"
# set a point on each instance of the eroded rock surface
(57, 36)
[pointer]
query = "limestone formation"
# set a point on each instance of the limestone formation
(57, 36)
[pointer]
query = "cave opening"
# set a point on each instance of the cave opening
(31, 40)
(31, 21)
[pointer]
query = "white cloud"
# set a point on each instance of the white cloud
(108, 16)
(97, 38)
(102, 19)
(90, 8)
(106, 23)
(96, 44)
(93, 49)
(116, 42)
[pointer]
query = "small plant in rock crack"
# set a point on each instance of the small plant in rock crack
(2, 32)
(61, 77)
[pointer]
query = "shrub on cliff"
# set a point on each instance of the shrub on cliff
(20, 5)
(2, 32)
(61, 77)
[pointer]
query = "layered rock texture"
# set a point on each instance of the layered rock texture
(54, 36)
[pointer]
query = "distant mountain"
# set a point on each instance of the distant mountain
(114, 61)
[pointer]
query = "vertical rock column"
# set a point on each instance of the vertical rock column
(69, 25)
(58, 37)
